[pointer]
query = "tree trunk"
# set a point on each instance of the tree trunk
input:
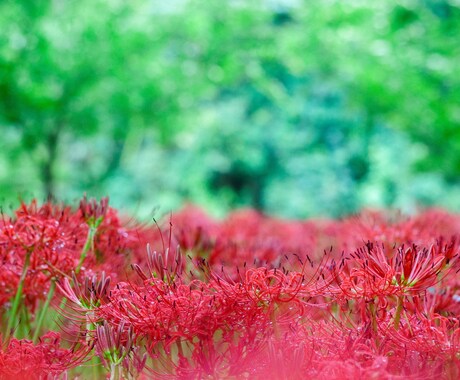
(51, 144)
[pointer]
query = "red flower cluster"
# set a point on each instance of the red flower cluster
(21, 359)
(47, 242)
(373, 296)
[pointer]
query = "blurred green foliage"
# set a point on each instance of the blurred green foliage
(297, 108)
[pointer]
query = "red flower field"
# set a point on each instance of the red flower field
(86, 293)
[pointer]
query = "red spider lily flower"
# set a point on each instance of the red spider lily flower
(255, 310)
(87, 296)
(379, 271)
(115, 242)
(247, 235)
(418, 268)
(46, 242)
(442, 299)
(36, 247)
(9, 278)
(92, 211)
(22, 359)
(429, 346)
(161, 266)
(113, 345)
(390, 228)
(49, 234)
(165, 312)
(169, 312)
(135, 362)
(271, 293)
(193, 230)
(84, 299)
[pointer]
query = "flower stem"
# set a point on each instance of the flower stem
(114, 371)
(26, 324)
(89, 244)
(399, 308)
(17, 298)
(44, 310)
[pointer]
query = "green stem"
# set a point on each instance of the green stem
(399, 308)
(26, 324)
(44, 310)
(89, 325)
(97, 368)
(88, 245)
(373, 312)
(17, 298)
(114, 371)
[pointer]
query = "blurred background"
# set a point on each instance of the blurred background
(298, 108)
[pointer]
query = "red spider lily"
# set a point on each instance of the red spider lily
(378, 271)
(427, 346)
(38, 247)
(219, 358)
(438, 336)
(84, 298)
(163, 266)
(390, 228)
(21, 359)
(255, 309)
(49, 234)
(113, 346)
(261, 293)
(109, 244)
(442, 299)
(46, 243)
(92, 211)
(87, 296)
(57, 236)
(135, 362)
(165, 313)
(232, 255)
(9, 278)
(193, 230)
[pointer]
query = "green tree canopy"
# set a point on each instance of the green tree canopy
(302, 107)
